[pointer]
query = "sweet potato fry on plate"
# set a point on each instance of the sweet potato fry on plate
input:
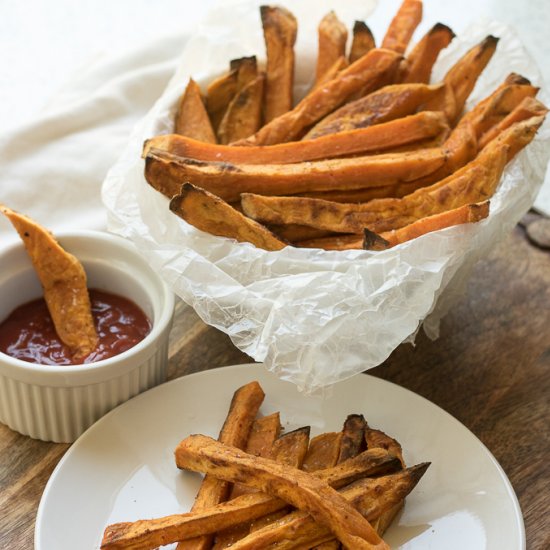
(191, 118)
(388, 135)
(372, 70)
(302, 490)
(388, 103)
(64, 282)
(403, 25)
(362, 42)
(417, 67)
(235, 432)
(288, 448)
(332, 37)
(211, 214)
(280, 29)
(177, 527)
(371, 497)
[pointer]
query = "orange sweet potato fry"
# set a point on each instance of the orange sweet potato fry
(387, 103)
(388, 135)
(363, 41)
(235, 432)
(228, 181)
(280, 28)
(461, 78)
(222, 90)
(332, 37)
(370, 71)
(300, 489)
(263, 434)
(529, 107)
(243, 116)
(191, 118)
(332, 72)
(211, 214)
(417, 67)
(474, 182)
(63, 280)
(403, 25)
(469, 213)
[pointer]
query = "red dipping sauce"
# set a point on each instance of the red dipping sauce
(29, 334)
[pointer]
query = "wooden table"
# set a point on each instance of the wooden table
(490, 369)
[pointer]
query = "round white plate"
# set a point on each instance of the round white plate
(122, 468)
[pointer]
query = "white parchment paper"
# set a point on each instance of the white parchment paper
(315, 317)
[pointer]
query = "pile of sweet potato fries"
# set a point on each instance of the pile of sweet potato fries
(372, 156)
(272, 491)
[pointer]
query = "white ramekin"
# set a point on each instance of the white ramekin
(57, 403)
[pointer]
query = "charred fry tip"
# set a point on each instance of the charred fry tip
(489, 41)
(439, 27)
(418, 471)
(373, 241)
(234, 64)
(515, 78)
(361, 27)
(305, 429)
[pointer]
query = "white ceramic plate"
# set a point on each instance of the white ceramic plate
(122, 468)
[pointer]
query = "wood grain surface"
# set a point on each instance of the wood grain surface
(490, 369)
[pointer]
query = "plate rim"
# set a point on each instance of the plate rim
(518, 513)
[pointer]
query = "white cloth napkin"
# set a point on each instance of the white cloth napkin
(53, 168)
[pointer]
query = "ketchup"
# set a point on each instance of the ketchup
(29, 333)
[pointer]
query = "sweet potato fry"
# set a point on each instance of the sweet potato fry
(302, 490)
(353, 435)
(63, 280)
(460, 147)
(290, 449)
(339, 242)
(165, 172)
(323, 452)
(280, 28)
(263, 433)
(469, 213)
(243, 116)
(191, 118)
(388, 103)
(388, 135)
(417, 67)
(370, 71)
(332, 37)
(169, 529)
(461, 78)
(362, 42)
(211, 214)
(474, 182)
(235, 432)
(371, 497)
(377, 439)
(529, 107)
(222, 90)
(332, 72)
(403, 25)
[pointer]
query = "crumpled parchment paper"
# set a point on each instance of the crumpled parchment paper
(315, 317)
